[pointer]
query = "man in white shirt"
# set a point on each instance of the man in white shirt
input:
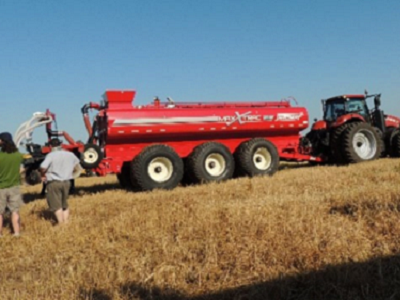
(58, 167)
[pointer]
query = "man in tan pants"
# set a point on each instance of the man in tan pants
(58, 167)
(10, 167)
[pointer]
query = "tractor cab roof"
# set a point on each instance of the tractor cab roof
(346, 97)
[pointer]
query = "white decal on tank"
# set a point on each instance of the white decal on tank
(289, 116)
(147, 121)
(241, 118)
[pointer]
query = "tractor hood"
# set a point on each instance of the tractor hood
(392, 121)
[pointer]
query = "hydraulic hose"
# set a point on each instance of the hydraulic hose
(86, 118)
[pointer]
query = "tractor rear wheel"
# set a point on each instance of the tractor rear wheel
(156, 167)
(360, 142)
(255, 157)
(395, 146)
(381, 142)
(209, 162)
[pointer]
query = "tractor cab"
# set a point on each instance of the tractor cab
(342, 109)
(337, 107)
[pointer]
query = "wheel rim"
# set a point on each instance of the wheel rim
(262, 159)
(364, 144)
(160, 169)
(90, 156)
(215, 164)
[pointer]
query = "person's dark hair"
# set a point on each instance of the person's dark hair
(8, 147)
(55, 142)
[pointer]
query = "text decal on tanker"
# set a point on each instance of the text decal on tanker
(289, 116)
(240, 118)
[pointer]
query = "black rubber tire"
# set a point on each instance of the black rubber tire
(245, 165)
(33, 176)
(335, 144)
(96, 152)
(141, 179)
(124, 177)
(395, 146)
(196, 170)
(381, 142)
(349, 153)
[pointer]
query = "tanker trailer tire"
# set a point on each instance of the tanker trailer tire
(156, 167)
(91, 156)
(395, 145)
(360, 142)
(210, 162)
(124, 178)
(256, 157)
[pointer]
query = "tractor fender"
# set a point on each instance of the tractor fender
(318, 125)
(347, 119)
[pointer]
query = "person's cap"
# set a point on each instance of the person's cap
(55, 142)
(6, 137)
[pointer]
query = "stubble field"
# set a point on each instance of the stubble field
(305, 233)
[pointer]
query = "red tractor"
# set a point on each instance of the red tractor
(36, 152)
(350, 132)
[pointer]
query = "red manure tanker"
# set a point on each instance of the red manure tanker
(159, 144)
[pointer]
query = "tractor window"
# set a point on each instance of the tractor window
(357, 106)
(334, 110)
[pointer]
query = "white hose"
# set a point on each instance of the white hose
(25, 130)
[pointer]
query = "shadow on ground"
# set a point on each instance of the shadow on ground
(99, 188)
(80, 191)
(294, 165)
(374, 279)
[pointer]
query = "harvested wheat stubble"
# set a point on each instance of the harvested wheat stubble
(305, 233)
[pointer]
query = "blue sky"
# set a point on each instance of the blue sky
(63, 54)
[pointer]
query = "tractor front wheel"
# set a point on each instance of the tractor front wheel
(33, 176)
